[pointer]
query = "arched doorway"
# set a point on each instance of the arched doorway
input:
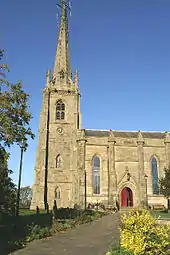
(126, 197)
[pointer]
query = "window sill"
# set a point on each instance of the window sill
(155, 195)
(61, 122)
(97, 195)
(59, 170)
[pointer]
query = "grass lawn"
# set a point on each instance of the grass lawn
(161, 214)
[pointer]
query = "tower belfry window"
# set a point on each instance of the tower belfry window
(60, 110)
(61, 74)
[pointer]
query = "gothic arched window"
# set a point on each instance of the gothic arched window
(96, 174)
(59, 161)
(60, 110)
(57, 193)
(154, 166)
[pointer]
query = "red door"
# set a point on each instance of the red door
(124, 198)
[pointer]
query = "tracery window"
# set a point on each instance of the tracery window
(60, 110)
(96, 174)
(154, 166)
(59, 161)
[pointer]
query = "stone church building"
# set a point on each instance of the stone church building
(75, 166)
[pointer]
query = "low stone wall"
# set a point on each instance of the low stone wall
(157, 199)
(164, 221)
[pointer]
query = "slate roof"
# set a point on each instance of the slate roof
(124, 134)
(97, 133)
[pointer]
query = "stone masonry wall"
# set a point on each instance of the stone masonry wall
(131, 155)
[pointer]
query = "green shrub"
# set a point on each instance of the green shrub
(16, 244)
(58, 227)
(84, 217)
(118, 251)
(36, 232)
(141, 234)
(69, 224)
(88, 216)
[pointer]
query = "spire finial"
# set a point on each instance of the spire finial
(63, 4)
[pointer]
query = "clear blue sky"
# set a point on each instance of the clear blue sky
(121, 49)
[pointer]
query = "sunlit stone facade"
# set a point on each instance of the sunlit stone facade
(116, 163)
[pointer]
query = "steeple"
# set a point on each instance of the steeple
(62, 72)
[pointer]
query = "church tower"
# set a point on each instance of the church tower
(60, 121)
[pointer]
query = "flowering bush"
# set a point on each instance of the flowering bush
(140, 234)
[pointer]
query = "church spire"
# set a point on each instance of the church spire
(62, 72)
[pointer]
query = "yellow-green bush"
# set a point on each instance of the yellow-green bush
(141, 234)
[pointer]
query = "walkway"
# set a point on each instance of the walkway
(89, 239)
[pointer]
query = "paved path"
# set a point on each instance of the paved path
(89, 239)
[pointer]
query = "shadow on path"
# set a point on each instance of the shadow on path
(13, 229)
(93, 238)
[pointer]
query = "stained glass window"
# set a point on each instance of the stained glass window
(96, 175)
(155, 186)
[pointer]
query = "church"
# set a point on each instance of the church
(77, 166)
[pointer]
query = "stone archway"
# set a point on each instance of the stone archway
(126, 197)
